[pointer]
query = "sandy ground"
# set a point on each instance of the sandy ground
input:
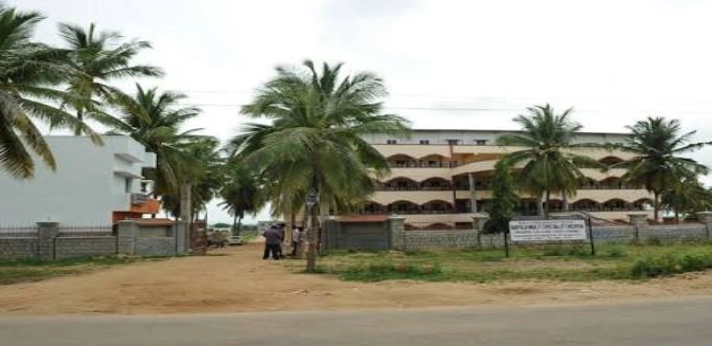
(241, 281)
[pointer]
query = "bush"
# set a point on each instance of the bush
(390, 271)
(654, 241)
(651, 267)
(616, 252)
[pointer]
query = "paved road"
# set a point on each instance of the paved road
(673, 322)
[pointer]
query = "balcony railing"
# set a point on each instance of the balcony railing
(139, 198)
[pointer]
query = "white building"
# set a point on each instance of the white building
(92, 186)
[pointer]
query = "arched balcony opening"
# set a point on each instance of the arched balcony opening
(403, 207)
(616, 204)
(556, 205)
(439, 226)
(373, 208)
(610, 160)
(643, 204)
(402, 161)
(527, 206)
(587, 183)
(400, 184)
(436, 184)
(613, 183)
(433, 161)
(437, 207)
(586, 205)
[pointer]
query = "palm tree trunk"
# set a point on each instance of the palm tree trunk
(656, 206)
(234, 224)
(313, 239)
(547, 208)
(313, 235)
(80, 117)
(540, 205)
(566, 201)
(239, 225)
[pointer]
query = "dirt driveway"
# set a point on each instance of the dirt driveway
(238, 280)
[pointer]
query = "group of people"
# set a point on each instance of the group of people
(274, 237)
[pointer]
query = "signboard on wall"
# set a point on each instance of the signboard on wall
(547, 230)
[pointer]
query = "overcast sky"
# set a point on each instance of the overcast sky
(443, 61)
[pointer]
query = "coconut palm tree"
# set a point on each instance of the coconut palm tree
(657, 146)
(98, 58)
(240, 193)
(313, 145)
(201, 165)
(550, 165)
(28, 73)
(155, 119)
(686, 196)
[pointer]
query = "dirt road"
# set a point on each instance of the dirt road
(238, 280)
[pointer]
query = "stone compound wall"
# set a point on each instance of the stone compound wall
(456, 239)
(83, 246)
(638, 230)
(48, 243)
(155, 246)
(18, 248)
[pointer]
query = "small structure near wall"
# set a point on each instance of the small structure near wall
(357, 232)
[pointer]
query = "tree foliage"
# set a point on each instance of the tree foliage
(314, 141)
(504, 199)
(549, 163)
(659, 163)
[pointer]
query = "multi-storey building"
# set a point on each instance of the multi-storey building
(439, 178)
(93, 185)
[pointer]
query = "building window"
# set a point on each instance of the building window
(127, 185)
(453, 141)
(391, 141)
(480, 142)
(424, 141)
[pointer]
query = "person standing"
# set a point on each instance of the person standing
(273, 242)
(296, 239)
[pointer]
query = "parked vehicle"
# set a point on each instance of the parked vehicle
(234, 240)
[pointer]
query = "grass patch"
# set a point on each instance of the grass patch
(30, 270)
(553, 262)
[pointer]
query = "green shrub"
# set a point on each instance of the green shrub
(654, 241)
(668, 264)
(390, 271)
(616, 251)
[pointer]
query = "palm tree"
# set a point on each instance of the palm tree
(99, 58)
(550, 166)
(657, 144)
(154, 119)
(200, 165)
(313, 145)
(686, 196)
(240, 193)
(28, 73)
(504, 199)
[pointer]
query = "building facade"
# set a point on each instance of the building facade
(439, 178)
(93, 185)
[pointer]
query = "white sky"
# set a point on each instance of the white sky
(615, 62)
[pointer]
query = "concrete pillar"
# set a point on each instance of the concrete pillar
(396, 232)
(705, 217)
(473, 192)
(47, 232)
(127, 231)
(478, 221)
(640, 223)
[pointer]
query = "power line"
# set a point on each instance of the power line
(474, 109)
